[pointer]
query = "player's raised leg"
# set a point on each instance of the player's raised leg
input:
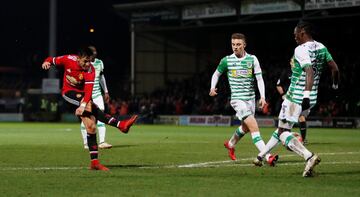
(123, 125)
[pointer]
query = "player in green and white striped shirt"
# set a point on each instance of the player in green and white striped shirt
(242, 69)
(98, 100)
(308, 62)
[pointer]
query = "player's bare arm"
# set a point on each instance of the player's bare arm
(107, 97)
(262, 102)
(308, 85)
(309, 78)
(46, 65)
(83, 106)
(281, 92)
(213, 92)
(334, 74)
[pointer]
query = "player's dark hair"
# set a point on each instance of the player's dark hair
(307, 27)
(85, 52)
(238, 36)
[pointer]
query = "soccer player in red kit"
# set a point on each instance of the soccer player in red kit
(77, 88)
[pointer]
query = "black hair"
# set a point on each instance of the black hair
(307, 27)
(85, 52)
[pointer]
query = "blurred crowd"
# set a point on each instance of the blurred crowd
(183, 97)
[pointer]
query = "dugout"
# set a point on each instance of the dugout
(177, 39)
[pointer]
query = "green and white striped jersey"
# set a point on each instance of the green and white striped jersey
(99, 67)
(241, 74)
(313, 54)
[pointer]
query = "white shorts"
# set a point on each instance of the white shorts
(243, 108)
(289, 114)
(99, 101)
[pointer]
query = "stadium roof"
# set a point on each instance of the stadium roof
(159, 15)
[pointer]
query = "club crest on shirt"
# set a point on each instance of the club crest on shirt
(72, 80)
(78, 95)
(81, 77)
(249, 64)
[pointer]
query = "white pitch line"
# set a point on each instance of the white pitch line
(279, 164)
(225, 163)
(233, 163)
(250, 159)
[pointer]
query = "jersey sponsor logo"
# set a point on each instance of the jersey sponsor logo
(241, 73)
(72, 80)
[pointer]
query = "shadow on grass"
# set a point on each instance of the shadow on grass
(123, 146)
(132, 166)
(285, 161)
(319, 143)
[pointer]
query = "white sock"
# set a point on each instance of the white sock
(102, 131)
(267, 156)
(238, 134)
(293, 143)
(272, 143)
(257, 140)
(83, 132)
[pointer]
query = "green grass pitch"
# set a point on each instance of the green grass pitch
(48, 159)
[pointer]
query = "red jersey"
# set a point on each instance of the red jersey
(75, 77)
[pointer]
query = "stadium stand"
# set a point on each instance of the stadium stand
(175, 54)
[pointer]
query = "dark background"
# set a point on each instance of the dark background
(25, 28)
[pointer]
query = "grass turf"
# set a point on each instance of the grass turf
(48, 159)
